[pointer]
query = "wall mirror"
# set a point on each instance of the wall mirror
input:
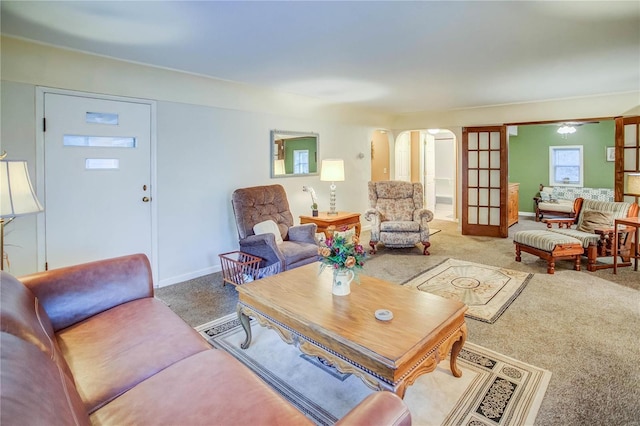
(294, 153)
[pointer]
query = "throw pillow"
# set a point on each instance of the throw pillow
(592, 220)
(545, 196)
(268, 227)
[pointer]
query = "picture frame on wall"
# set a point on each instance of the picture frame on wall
(611, 153)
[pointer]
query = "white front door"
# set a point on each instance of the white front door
(97, 173)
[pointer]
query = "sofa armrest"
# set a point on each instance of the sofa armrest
(423, 216)
(379, 408)
(305, 233)
(75, 293)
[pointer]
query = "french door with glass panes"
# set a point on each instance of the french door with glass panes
(627, 160)
(484, 181)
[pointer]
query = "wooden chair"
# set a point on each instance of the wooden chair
(593, 226)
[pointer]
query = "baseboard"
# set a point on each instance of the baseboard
(532, 214)
(191, 275)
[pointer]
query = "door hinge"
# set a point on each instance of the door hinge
(46, 266)
(44, 124)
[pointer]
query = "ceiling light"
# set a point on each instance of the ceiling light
(566, 130)
(433, 131)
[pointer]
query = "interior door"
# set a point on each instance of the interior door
(429, 172)
(627, 155)
(97, 167)
(484, 181)
(403, 158)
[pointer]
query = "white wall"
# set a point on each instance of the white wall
(213, 137)
(204, 150)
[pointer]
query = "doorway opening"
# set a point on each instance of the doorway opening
(430, 157)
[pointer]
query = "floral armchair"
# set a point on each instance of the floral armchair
(398, 216)
(265, 229)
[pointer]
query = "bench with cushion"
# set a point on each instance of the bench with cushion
(559, 200)
(549, 246)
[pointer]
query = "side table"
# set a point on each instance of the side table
(342, 220)
(629, 222)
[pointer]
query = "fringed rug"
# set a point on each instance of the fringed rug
(493, 390)
(487, 290)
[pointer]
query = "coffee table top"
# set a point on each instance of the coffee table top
(301, 299)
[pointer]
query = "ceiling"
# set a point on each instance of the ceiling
(393, 56)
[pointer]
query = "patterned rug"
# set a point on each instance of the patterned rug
(493, 390)
(487, 290)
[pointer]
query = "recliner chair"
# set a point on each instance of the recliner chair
(258, 204)
(398, 215)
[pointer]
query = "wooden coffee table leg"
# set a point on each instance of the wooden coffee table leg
(455, 351)
(244, 320)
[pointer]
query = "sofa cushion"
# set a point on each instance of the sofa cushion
(396, 209)
(211, 388)
(617, 209)
(295, 252)
(593, 220)
(128, 344)
(585, 238)
(35, 390)
(22, 315)
(400, 226)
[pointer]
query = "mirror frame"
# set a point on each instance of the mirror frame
(278, 135)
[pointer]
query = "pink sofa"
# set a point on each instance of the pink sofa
(89, 344)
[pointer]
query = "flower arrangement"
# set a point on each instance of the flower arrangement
(339, 252)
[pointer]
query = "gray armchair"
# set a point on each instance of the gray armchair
(397, 215)
(260, 203)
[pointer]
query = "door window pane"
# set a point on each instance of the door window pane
(101, 118)
(99, 141)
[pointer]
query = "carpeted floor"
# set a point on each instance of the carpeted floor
(582, 326)
(493, 389)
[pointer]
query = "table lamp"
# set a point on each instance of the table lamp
(633, 185)
(17, 197)
(332, 171)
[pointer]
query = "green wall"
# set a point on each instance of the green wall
(529, 156)
(308, 143)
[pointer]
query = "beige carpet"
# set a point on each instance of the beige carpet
(493, 390)
(487, 290)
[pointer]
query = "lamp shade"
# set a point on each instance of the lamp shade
(332, 170)
(633, 183)
(17, 197)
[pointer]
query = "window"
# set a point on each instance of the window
(300, 161)
(565, 165)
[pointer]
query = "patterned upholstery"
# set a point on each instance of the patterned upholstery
(259, 203)
(543, 240)
(397, 213)
(572, 192)
(616, 209)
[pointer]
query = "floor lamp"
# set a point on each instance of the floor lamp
(332, 171)
(17, 197)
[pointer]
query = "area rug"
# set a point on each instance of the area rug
(487, 290)
(493, 390)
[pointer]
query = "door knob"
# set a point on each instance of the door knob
(146, 199)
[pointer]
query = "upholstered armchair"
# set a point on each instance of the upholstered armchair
(399, 219)
(281, 245)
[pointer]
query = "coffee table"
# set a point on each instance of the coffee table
(386, 355)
